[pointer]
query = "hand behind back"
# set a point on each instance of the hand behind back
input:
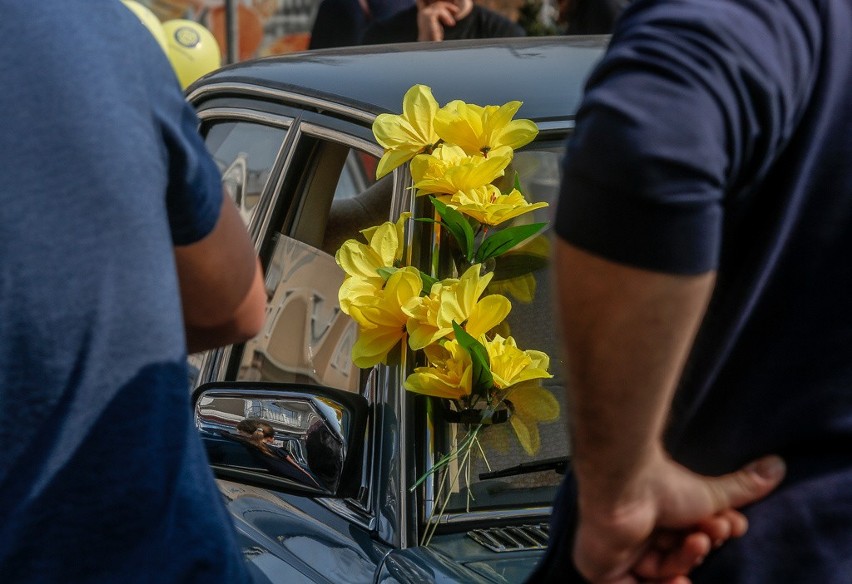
(666, 522)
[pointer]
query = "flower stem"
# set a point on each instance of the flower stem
(442, 497)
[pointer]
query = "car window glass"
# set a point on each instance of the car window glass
(306, 338)
(244, 153)
(532, 325)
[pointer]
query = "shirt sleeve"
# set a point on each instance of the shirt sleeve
(686, 109)
(194, 195)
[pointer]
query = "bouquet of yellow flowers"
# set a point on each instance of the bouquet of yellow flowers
(455, 155)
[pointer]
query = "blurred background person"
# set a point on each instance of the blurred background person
(439, 20)
(341, 23)
(578, 17)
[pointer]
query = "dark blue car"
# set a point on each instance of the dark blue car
(315, 457)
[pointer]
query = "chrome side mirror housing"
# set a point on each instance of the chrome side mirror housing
(293, 437)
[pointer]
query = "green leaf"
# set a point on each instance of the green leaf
(457, 224)
(505, 239)
(482, 380)
(515, 264)
(386, 272)
(516, 184)
(428, 281)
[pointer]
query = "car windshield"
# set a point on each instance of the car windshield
(529, 481)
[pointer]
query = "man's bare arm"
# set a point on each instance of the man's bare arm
(628, 332)
(221, 284)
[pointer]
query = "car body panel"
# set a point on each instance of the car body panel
(373, 79)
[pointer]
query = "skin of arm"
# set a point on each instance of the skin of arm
(221, 285)
(434, 15)
(642, 517)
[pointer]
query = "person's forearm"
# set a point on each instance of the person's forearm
(627, 333)
(243, 323)
(221, 284)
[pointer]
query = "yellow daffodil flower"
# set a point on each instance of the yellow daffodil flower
(449, 170)
(381, 321)
(451, 300)
(448, 376)
(404, 136)
(519, 374)
(484, 130)
(491, 207)
(383, 250)
(511, 365)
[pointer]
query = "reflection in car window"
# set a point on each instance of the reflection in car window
(306, 338)
(244, 152)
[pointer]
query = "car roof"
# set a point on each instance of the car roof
(546, 73)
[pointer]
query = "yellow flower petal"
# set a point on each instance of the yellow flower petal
(359, 260)
(449, 374)
(373, 346)
(450, 170)
(489, 206)
(510, 365)
(354, 289)
(486, 314)
(392, 159)
(404, 136)
(481, 130)
(431, 381)
(381, 321)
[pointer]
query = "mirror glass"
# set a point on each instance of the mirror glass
(290, 438)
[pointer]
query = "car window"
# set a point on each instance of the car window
(306, 338)
(532, 325)
(244, 152)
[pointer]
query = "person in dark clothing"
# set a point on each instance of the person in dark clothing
(705, 225)
(438, 20)
(341, 23)
(589, 16)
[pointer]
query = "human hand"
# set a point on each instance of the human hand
(665, 521)
(432, 17)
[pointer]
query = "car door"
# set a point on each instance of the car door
(304, 183)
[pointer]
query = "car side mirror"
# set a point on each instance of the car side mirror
(289, 436)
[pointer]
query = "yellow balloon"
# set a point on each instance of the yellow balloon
(192, 49)
(151, 22)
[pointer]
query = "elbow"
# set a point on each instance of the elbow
(239, 325)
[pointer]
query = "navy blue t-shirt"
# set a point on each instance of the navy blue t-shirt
(715, 135)
(102, 474)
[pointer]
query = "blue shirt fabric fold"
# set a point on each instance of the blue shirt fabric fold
(102, 474)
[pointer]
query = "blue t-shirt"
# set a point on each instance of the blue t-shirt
(102, 474)
(715, 135)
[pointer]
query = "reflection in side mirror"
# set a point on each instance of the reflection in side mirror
(306, 439)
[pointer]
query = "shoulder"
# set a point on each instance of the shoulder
(732, 55)
(400, 27)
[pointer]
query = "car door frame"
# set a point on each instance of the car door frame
(390, 513)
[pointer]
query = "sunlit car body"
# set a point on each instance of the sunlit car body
(293, 138)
